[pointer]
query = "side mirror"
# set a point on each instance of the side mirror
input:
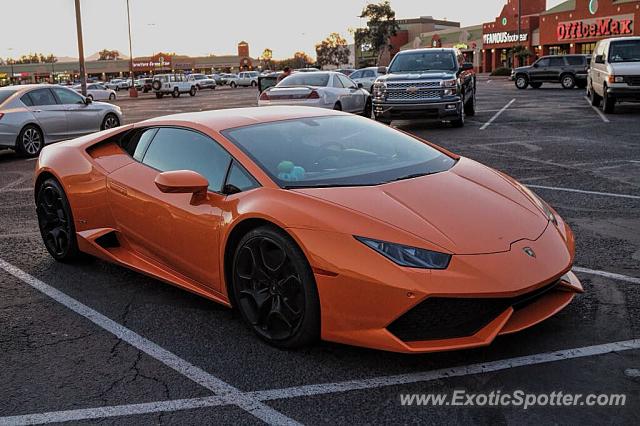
(382, 70)
(467, 66)
(183, 182)
(599, 59)
(360, 86)
(87, 101)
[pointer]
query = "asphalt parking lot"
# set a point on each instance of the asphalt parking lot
(95, 343)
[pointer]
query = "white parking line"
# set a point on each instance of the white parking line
(582, 191)
(606, 274)
(497, 114)
(201, 377)
(324, 388)
(602, 116)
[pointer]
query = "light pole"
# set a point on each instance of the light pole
(519, 26)
(132, 90)
(83, 74)
(11, 61)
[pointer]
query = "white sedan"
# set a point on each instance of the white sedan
(323, 89)
(97, 92)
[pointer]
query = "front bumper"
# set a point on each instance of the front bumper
(623, 91)
(365, 298)
(441, 108)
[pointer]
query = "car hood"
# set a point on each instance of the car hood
(426, 75)
(470, 209)
(625, 68)
(522, 69)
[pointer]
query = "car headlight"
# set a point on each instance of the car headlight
(541, 204)
(448, 83)
(412, 257)
(616, 79)
(379, 88)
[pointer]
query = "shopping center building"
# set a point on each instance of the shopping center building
(573, 26)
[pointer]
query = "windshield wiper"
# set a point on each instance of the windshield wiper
(411, 176)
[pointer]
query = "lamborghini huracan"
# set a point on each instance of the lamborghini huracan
(313, 224)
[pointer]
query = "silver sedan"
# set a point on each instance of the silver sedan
(323, 89)
(34, 115)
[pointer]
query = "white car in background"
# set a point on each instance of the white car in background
(322, 89)
(202, 81)
(97, 92)
(365, 76)
(172, 84)
(245, 78)
(118, 84)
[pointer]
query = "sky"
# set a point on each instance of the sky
(203, 27)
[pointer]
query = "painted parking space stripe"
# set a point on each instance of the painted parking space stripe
(600, 113)
(606, 274)
(324, 388)
(497, 114)
(201, 377)
(582, 191)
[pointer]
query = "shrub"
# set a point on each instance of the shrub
(501, 72)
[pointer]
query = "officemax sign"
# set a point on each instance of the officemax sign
(591, 28)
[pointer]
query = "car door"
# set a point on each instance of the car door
(368, 77)
(353, 94)
(81, 118)
(48, 112)
(538, 70)
(169, 228)
(557, 65)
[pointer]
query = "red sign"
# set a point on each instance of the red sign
(595, 28)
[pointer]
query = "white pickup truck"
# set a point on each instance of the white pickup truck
(173, 84)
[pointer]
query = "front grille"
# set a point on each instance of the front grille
(418, 84)
(420, 94)
(452, 317)
(633, 80)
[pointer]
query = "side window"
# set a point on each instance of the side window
(42, 97)
(180, 149)
(136, 144)
(544, 62)
(575, 60)
(346, 82)
(68, 97)
(26, 99)
(240, 178)
(357, 74)
(336, 82)
(557, 62)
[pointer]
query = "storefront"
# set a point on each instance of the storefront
(573, 26)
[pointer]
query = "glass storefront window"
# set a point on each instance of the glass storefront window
(562, 49)
(586, 48)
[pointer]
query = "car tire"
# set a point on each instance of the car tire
(175, 93)
(233, 84)
(338, 106)
(55, 221)
(368, 108)
(159, 95)
(254, 84)
(117, 89)
(192, 91)
(459, 122)
(156, 85)
(470, 106)
(608, 102)
(110, 121)
(112, 96)
(271, 272)
(30, 141)
(568, 81)
(522, 82)
(535, 85)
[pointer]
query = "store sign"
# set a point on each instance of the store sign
(159, 62)
(504, 37)
(589, 28)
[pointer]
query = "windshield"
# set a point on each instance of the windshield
(423, 61)
(316, 80)
(199, 77)
(336, 151)
(5, 93)
(625, 51)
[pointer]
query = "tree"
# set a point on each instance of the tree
(36, 58)
(522, 53)
(332, 50)
(108, 55)
(299, 60)
(381, 26)
(267, 55)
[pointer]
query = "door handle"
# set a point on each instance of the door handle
(118, 188)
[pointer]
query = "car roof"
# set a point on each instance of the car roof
(636, 38)
(222, 119)
(428, 49)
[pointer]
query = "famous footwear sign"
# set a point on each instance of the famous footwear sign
(504, 37)
(591, 28)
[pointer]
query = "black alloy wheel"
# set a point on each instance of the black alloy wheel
(30, 141)
(56, 222)
(274, 288)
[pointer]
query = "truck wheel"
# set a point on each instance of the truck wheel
(175, 93)
(594, 97)
(535, 85)
(568, 81)
(522, 82)
(254, 84)
(233, 85)
(192, 92)
(470, 106)
(459, 122)
(608, 102)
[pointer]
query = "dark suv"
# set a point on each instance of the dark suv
(423, 83)
(568, 70)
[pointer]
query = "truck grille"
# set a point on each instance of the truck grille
(633, 80)
(413, 90)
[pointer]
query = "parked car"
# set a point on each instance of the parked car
(614, 75)
(97, 92)
(218, 78)
(202, 81)
(568, 70)
(266, 81)
(245, 78)
(173, 84)
(34, 115)
(323, 89)
(310, 69)
(227, 78)
(426, 83)
(118, 84)
(366, 76)
(144, 84)
(346, 71)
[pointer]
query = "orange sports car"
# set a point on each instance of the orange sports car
(313, 224)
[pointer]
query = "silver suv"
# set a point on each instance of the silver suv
(172, 84)
(614, 75)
